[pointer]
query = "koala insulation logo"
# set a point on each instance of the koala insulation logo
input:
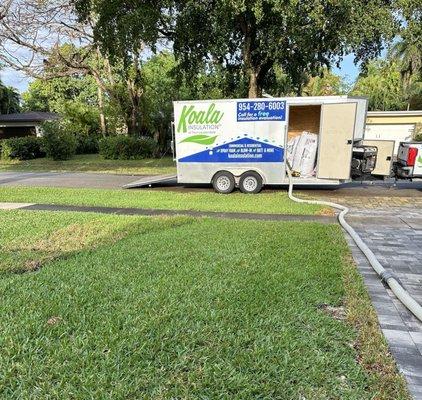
(206, 123)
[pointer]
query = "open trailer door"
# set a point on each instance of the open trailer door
(336, 140)
(385, 150)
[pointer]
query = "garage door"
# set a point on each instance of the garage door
(397, 132)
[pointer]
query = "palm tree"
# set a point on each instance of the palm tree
(408, 55)
(9, 100)
(381, 83)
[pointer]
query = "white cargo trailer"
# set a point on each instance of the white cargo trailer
(243, 142)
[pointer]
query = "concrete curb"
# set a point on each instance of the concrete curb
(14, 206)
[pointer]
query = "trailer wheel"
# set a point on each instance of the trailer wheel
(223, 182)
(250, 182)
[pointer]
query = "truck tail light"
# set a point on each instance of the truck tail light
(411, 156)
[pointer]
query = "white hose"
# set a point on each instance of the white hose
(386, 276)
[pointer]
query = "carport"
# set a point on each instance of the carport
(24, 124)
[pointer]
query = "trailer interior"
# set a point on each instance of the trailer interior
(303, 119)
(334, 127)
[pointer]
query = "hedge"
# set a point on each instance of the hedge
(59, 145)
(127, 147)
(86, 144)
(22, 148)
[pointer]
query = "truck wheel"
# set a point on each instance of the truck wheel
(250, 182)
(223, 182)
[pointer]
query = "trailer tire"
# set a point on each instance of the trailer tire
(223, 182)
(250, 182)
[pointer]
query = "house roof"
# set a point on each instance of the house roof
(32, 116)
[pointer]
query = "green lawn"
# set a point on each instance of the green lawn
(275, 202)
(183, 308)
(93, 163)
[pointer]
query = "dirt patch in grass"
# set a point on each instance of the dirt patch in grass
(327, 212)
(32, 265)
(78, 236)
(372, 350)
(338, 313)
(54, 321)
(33, 254)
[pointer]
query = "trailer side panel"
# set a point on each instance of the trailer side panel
(233, 135)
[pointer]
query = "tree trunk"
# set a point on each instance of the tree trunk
(134, 129)
(133, 111)
(255, 90)
(135, 93)
(162, 139)
(103, 124)
(252, 71)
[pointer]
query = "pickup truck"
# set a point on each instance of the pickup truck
(409, 160)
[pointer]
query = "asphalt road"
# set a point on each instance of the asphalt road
(114, 181)
(65, 179)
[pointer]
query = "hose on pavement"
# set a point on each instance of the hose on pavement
(388, 277)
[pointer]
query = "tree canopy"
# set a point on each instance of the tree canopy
(253, 37)
(115, 66)
(74, 98)
(381, 82)
(325, 84)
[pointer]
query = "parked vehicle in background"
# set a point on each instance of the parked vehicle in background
(409, 160)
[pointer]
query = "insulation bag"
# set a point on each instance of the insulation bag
(300, 148)
(307, 165)
(291, 149)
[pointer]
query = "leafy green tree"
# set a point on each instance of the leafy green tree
(164, 83)
(73, 97)
(252, 37)
(325, 84)
(160, 88)
(52, 42)
(381, 83)
(9, 100)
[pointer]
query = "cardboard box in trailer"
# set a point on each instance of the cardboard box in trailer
(246, 143)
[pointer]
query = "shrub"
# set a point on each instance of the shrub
(86, 144)
(22, 148)
(418, 132)
(127, 147)
(148, 146)
(59, 145)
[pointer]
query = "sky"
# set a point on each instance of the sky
(348, 70)
(9, 77)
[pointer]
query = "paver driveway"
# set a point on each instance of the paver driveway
(392, 228)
